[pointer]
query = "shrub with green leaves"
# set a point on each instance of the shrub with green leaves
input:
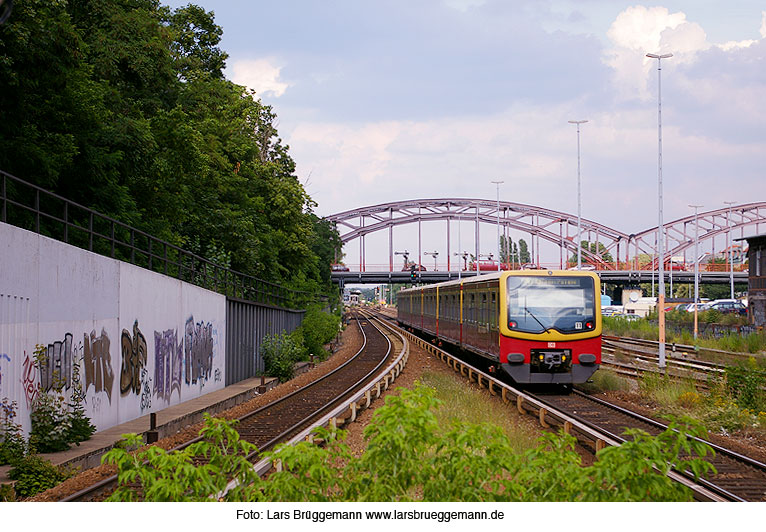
(173, 476)
(12, 444)
(319, 328)
(411, 456)
(280, 353)
(33, 475)
(51, 424)
(745, 383)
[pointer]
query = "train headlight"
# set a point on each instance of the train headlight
(512, 324)
(589, 325)
(563, 358)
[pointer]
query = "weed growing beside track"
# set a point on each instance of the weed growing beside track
(411, 455)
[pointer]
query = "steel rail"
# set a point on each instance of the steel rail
(357, 402)
(335, 418)
(547, 414)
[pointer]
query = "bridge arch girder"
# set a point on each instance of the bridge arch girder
(536, 221)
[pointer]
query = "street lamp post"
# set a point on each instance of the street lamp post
(660, 228)
(406, 257)
(696, 268)
(579, 197)
(434, 254)
(730, 246)
(498, 183)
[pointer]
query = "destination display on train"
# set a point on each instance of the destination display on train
(551, 281)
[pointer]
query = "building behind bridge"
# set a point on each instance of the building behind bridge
(756, 286)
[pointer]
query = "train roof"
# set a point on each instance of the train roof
(497, 275)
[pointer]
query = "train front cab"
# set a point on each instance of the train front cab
(543, 355)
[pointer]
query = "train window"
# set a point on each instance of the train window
(493, 311)
(536, 304)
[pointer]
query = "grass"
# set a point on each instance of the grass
(605, 380)
(467, 404)
(644, 329)
(722, 408)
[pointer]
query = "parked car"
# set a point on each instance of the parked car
(728, 306)
(628, 317)
(339, 268)
(418, 267)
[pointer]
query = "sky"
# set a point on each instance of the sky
(395, 100)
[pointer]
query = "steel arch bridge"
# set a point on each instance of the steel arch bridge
(558, 228)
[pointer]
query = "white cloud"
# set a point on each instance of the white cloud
(261, 75)
(640, 30)
(763, 24)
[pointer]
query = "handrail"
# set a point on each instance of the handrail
(56, 217)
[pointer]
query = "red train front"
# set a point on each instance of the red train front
(539, 326)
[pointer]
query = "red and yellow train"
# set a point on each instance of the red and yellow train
(538, 326)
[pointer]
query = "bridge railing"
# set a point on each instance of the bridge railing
(30, 207)
(609, 266)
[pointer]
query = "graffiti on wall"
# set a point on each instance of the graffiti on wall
(56, 365)
(146, 390)
(98, 363)
(198, 351)
(168, 364)
(133, 360)
(3, 356)
(29, 379)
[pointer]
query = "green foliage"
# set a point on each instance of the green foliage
(80, 427)
(7, 493)
(33, 474)
(410, 456)
(745, 383)
(597, 248)
(123, 107)
(56, 423)
(174, 476)
(319, 328)
(280, 353)
(605, 380)
(12, 444)
(51, 424)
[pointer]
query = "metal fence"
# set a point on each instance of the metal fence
(711, 330)
(33, 208)
(247, 324)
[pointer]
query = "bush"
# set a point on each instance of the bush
(411, 456)
(174, 476)
(12, 444)
(605, 380)
(280, 353)
(51, 424)
(34, 475)
(319, 328)
(745, 384)
(7, 493)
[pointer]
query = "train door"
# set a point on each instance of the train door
(494, 322)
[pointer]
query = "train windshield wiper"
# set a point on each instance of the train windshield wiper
(533, 316)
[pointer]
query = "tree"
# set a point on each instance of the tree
(597, 248)
(123, 107)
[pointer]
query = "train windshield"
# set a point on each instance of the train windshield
(536, 304)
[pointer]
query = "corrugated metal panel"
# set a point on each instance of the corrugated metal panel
(246, 326)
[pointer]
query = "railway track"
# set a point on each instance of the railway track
(596, 423)
(631, 357)
(350, 387)
(738, 478)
